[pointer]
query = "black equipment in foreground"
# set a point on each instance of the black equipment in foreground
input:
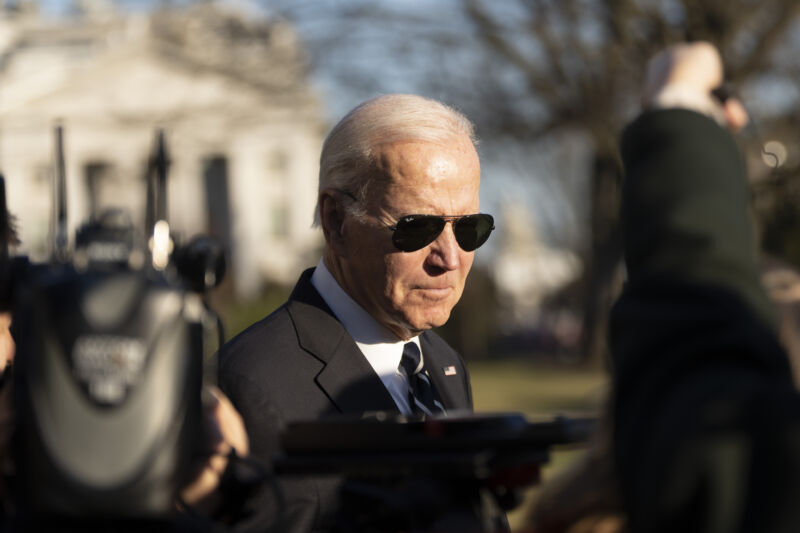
(108, 372)
(444, 474)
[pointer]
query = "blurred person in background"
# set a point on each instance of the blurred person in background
(398, 204)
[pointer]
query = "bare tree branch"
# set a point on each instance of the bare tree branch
(767, 40)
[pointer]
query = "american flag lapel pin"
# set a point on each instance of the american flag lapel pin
(449, 370)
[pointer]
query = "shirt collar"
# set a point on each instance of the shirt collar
(381, 347)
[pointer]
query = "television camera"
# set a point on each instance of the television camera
(108, 374)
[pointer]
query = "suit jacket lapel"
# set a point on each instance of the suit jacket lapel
(347, 378)
(450, 388)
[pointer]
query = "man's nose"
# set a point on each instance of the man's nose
(445, 250)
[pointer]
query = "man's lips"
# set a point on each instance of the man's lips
(435, 290)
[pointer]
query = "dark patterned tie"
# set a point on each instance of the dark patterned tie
(422, 396)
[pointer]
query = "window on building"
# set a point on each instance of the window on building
(280, 219)
(215, 180)
(100, 187)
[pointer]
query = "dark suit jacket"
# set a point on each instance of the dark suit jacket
(707, 421)
(299, 363)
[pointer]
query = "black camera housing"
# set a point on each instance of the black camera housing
(107, 378)
(107, 388)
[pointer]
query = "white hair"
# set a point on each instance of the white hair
(348, 150)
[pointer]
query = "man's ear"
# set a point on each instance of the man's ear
(332, 216)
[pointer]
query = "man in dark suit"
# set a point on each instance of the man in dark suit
(707, 421)
(398, 206)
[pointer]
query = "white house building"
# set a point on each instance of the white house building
(242, 125)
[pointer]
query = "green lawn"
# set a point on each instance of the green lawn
(538, 391)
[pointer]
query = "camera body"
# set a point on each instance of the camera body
(108, 372)
(107, 388)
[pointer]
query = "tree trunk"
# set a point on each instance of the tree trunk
(604, 257)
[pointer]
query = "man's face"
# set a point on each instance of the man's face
(409, 292)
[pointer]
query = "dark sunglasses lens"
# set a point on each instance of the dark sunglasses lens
(473, 230)
(417, 231)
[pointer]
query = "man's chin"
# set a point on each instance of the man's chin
(407, 325)
(427, 323)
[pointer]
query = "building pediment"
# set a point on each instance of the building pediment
(144, 83)
(155, 68)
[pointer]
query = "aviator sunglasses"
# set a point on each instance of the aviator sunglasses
(414, 232)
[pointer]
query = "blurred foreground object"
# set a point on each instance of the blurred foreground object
(706, 417)
(447, 474)
(107, 379)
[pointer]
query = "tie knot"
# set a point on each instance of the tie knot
(411, 362)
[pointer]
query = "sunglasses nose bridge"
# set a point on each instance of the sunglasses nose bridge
(450, 226)
(445, 246)
(450, 221)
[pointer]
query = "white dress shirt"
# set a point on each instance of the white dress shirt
(380, 346)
